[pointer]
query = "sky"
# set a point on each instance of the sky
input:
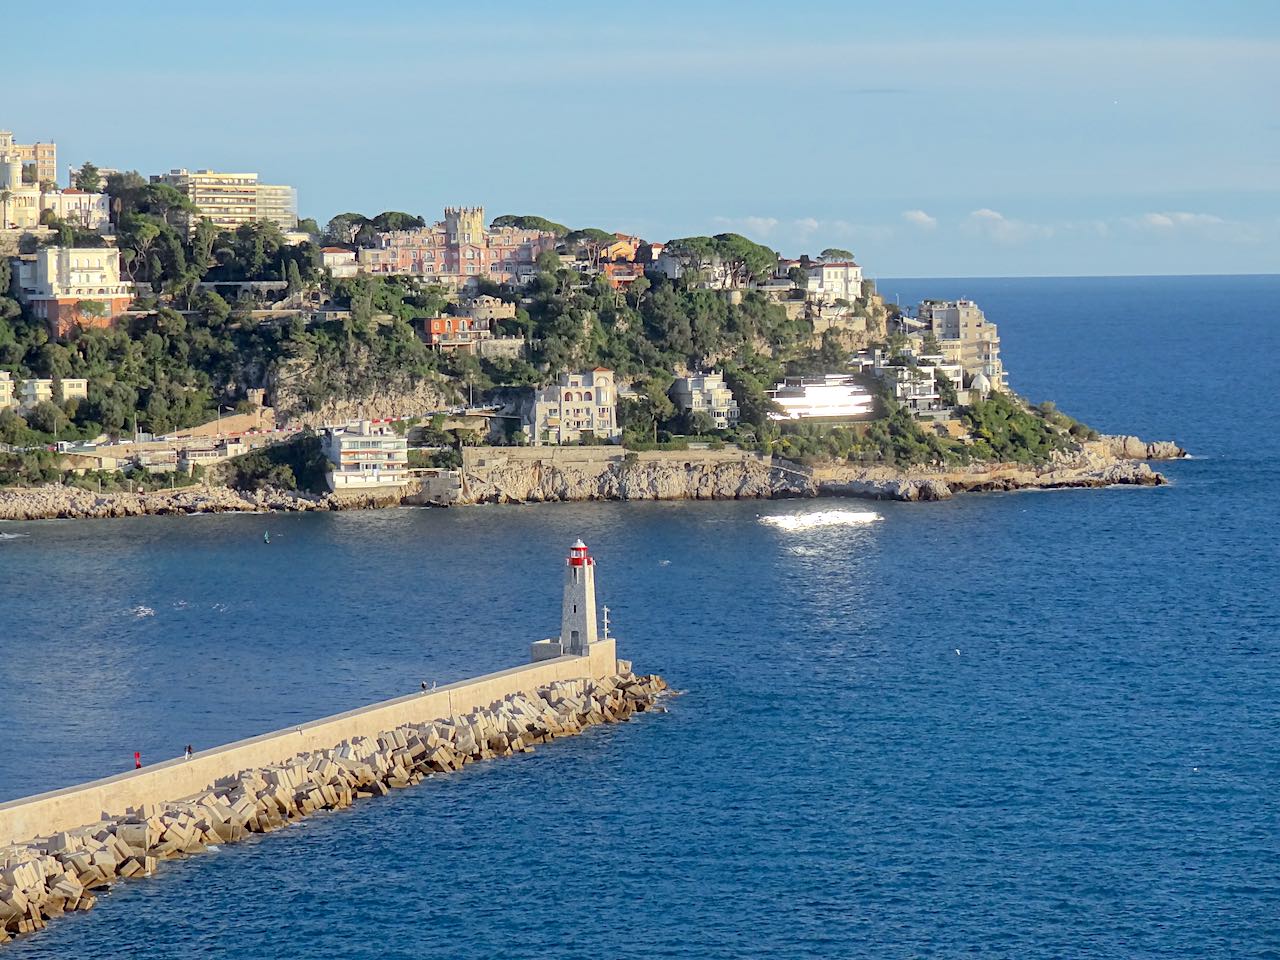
(931, 138)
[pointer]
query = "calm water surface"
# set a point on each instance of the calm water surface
(1024, 725)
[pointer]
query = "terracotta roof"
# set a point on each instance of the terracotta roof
(335, 250)
(602, 370)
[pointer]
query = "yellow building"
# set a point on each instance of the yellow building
(232, 199)
(43, 155)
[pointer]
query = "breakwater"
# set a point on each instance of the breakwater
(58, 850)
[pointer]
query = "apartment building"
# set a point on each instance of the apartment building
(365, 454)
(43, 155)
(580, 403)
(36, 391)
(706, 393)
(230, 200)
(966, 337)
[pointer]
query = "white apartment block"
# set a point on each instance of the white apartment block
(707, 393)
(579, 403)
(230, 200)
(365, 454)
(6, 390)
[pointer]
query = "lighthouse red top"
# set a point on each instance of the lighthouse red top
(578, 555)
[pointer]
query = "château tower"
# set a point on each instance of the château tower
(465, 225)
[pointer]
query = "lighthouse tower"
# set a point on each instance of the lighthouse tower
(578, 613)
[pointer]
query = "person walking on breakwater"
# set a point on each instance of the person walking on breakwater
(137, 759)
(187, 752)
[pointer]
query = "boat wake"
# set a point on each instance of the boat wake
(821, 518)
(140, 612)
(13, 536)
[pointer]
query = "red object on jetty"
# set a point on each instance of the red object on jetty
(137, 760)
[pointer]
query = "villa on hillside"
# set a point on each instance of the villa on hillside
(579, 404)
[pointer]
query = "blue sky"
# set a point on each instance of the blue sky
(933, 139)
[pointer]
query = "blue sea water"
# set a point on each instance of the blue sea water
(1009, 725)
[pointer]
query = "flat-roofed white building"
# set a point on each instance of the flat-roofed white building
(364, 454)
(833, 395)
(7, 398)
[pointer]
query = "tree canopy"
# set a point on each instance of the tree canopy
(526, 222)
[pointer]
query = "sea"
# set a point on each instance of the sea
(1024, 725)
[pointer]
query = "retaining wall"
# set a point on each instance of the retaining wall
(71, 807)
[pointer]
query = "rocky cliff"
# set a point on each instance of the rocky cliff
(316, 392)
(693, 479)
(695, 476)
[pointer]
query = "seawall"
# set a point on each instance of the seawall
(54, 858)
(66, 809)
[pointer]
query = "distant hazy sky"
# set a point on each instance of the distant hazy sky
(942, 138)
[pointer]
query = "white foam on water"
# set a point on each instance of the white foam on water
(13, 536)
(139, 612)
(821, 518)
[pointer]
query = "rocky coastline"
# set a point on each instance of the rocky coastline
(47, 877)
(612, 475)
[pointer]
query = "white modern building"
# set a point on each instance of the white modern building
(580, 403)
(706, 393)
(364, 454)
(833, 395)
(7, 398)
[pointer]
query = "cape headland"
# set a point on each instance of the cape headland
(565, 474)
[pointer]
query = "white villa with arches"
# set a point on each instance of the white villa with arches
(579, 403)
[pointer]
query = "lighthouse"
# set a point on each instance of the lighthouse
(578, 610)
(579, 631)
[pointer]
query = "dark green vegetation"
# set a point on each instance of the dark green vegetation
(299, 464)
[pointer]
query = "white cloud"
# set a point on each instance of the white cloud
(1179, 218)
(807, 225)
(920, 219)
(995, 226)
